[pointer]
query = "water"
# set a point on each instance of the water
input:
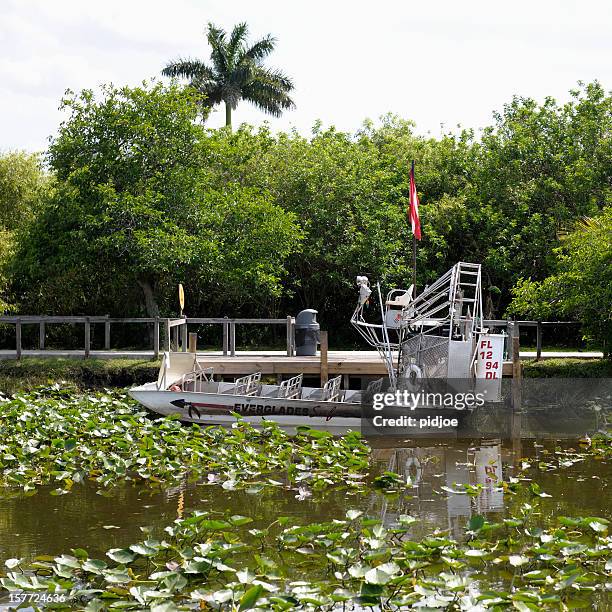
(46, 524)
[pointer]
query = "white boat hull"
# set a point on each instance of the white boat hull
(216, 408)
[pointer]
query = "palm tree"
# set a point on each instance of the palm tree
(236, 73)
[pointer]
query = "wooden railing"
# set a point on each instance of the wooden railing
(176, 330)
(516, 325)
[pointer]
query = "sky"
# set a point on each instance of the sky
(440, 63)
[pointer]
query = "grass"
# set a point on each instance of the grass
(568, 368)
(85, 374)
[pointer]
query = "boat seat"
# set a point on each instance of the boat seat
(374, 387)
(331, 391)
(198, 380)
(291, 388)
(247, 385)
(352, 396)
(403, 298)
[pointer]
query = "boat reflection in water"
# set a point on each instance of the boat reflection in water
(436, 476)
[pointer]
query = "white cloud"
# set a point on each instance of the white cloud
(440, 62)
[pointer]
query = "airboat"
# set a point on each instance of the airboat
(437, 335)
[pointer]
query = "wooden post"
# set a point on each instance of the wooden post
(156, 337)
(289, 342)
(87, 337)
(107, 335)
(184, 337)
(193, 342)
(324, 365)
(225, 338)
(539, 341)
(232, 338)
(517, 375)
(41, 336)
(168, 329)
(18, 339)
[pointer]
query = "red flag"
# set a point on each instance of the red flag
(413, 212)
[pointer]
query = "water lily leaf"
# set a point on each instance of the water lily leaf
(535, 489)
(476, 522)
(517, 560)
(214, 525)
(197, 567)
(381, 574)
(475, 552)
(121, 555)
(116, 576)
(245, 576)
(68, 561)
(238, 520)
(174, 582)
(453, 491)
(143, 549)
(358, 570)
(70, 444)
(523, 606)
(80, 553)
(598, 526)
(94, 566)
(220, 597)
(573, 549)
(249, 599)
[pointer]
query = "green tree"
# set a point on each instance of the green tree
(23, 184)
(135, 212)
(581, 287)
(236, 73)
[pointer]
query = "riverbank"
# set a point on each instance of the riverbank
(84, 374)
(97, 373)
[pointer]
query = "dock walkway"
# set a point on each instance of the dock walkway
(351, 363)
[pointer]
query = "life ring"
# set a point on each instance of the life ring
(413, 372)
(413, 367)
(175, 388)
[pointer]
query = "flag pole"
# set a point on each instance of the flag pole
(414, 249)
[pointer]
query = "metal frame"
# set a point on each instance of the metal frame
(450, 308)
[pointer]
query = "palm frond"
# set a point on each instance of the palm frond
(584, 224)
(261, 49)
(189, 69)
(236, 40)
(217, 40)
(274, 77)
(267, 97)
